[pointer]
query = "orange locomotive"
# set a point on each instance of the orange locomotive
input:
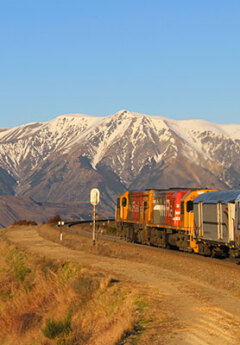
(163, 218)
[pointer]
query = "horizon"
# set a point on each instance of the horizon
(179, 60)
(108, 115)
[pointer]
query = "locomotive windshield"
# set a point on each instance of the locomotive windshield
(124, 202)
(189, 206)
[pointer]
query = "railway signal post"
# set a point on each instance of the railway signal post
(94, 200)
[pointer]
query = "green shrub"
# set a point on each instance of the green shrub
(53, 328)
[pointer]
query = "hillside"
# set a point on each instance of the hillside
(17, 207)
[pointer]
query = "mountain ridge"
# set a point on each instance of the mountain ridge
(62, 159)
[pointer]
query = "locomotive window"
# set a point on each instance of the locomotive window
(145, 204)
(189, 206)
(118, 202)
(182, 207)
(124, 202)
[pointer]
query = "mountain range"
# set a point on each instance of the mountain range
(59, 161)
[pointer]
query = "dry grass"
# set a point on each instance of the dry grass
(37, 296)
(191, 265)
(75, 241)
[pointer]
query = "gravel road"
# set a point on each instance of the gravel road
(202, 298)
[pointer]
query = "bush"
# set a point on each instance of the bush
(53, 328)
(24, 222)
(54, 220)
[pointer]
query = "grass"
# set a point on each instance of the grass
(18, 264)
(73, 241)
(45, 302)
(54, 328)
(111, 230)
(164, 258)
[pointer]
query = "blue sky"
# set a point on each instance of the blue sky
(179, 59)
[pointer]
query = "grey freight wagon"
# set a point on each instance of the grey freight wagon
(217, 222)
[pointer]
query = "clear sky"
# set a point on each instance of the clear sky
(175, 58)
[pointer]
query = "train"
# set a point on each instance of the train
(199, 220)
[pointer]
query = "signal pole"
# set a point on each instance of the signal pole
(94, 200)
(94, 225)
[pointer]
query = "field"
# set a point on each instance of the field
(116, 293)
(45, 301)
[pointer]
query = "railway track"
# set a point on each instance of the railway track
(69, 228)
(89, 221)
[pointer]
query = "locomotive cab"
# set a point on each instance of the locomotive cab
(122, 207)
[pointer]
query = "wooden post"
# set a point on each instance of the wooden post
(94, 225)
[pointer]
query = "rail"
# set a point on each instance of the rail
(69, 224)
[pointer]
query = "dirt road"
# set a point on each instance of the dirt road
(202, 313)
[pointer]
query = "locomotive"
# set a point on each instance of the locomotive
(203, 221)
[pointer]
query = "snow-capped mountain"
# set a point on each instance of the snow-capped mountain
(27, 145)
(61, 160)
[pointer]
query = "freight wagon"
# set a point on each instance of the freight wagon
(217, 223)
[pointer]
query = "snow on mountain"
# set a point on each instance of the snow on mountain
(23, 147)
(194, 132)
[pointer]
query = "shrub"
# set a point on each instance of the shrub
(24, 222)
(53, 328)
(32, 222)
(54, 220)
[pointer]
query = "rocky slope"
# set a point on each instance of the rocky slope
(61, 160)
